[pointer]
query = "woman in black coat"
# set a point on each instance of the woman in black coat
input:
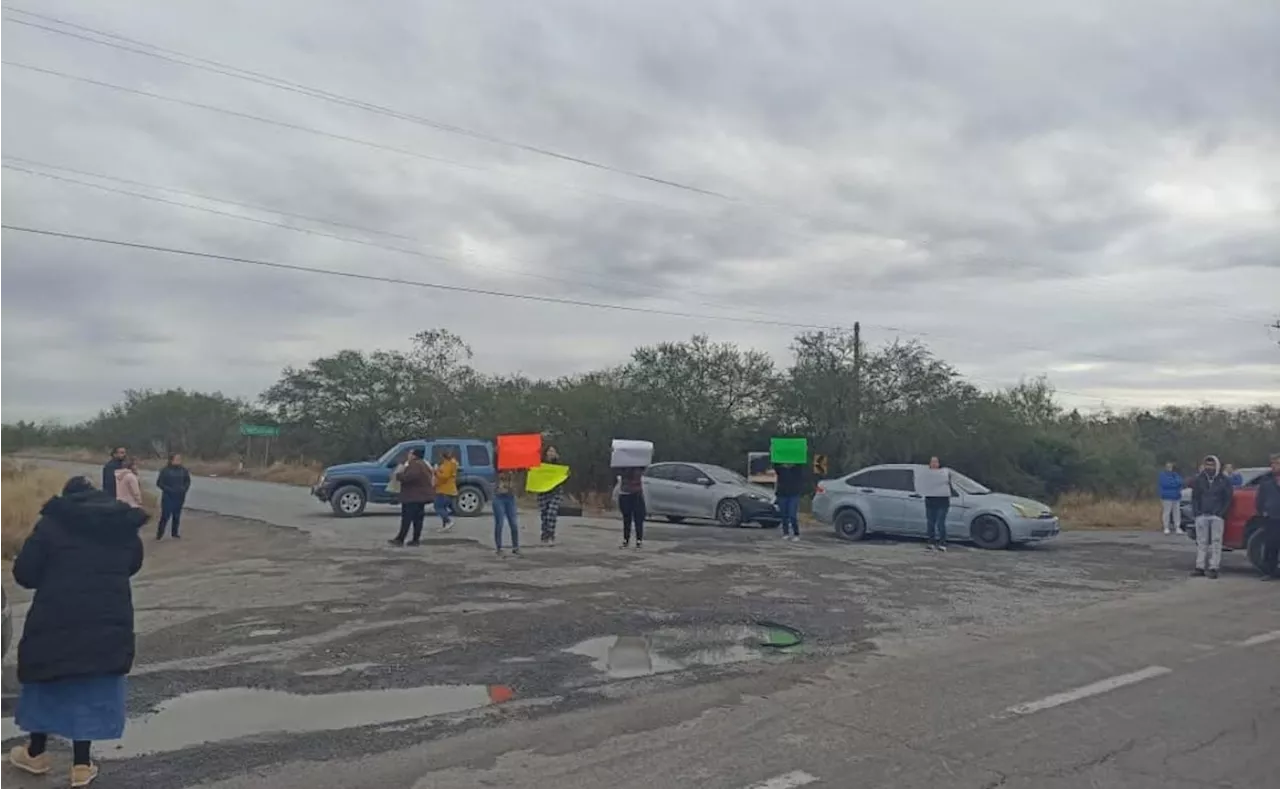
(78, 641)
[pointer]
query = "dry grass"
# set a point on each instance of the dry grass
(292, 473)
(1084, 511)
(25, 489)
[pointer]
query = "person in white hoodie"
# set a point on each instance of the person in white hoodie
(934, 483)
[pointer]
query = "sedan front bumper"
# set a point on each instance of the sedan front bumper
(1034, 529)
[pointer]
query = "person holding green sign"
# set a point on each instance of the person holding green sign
(789, 456)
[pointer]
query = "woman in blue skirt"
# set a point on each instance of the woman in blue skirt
(77, 643)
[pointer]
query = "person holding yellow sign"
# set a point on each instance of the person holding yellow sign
(550, 482)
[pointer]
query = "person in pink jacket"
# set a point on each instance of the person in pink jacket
(128, 488)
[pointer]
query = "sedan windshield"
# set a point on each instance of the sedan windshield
(966, 485)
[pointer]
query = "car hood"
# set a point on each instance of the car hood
(996, 499)
(351, 468)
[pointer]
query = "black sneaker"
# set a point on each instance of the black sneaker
(1213, 573)
(515, 551)
(1197, 573)
(413, 543)
(396, 543)
(625, 544)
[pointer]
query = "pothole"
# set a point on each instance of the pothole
(626, 656)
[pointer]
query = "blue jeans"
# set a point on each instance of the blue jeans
(935, 516)
(444, 508)
(504, 508)
(789, 508)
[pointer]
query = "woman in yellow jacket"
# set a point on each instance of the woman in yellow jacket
(446, 488)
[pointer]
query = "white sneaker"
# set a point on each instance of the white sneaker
(447, 526)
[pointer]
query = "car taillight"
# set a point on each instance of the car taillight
(821, 489)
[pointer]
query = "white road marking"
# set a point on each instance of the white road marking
(1084, 692)
(1261, 638)
(788, 781)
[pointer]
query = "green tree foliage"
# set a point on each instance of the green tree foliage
(696, 400)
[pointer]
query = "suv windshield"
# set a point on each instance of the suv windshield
(966, 485)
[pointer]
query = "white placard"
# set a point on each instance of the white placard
(631, 454)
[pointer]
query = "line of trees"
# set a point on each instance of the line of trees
(696, 400)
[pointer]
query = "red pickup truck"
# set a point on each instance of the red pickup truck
(1243, 529)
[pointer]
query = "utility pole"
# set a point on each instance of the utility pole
(857, 389)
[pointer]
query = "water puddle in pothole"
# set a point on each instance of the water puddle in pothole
(212, 716)
(677, 649)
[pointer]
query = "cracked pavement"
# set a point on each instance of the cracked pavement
(297, 650)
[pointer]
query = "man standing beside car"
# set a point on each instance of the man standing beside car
(1210, 499)
(1269, 511)
(1170, 499)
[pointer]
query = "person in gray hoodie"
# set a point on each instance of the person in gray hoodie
(1210, 499)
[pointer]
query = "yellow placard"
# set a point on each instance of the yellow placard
(543, 478)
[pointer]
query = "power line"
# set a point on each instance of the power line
(314, 131)
(443, 258)
(291, 267)
(406, 282)
(225, 69)
(631, 287)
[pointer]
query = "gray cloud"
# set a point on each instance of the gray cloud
(1085, 189)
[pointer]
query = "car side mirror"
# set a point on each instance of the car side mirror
(707, 481)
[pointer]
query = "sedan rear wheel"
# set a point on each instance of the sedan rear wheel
(850, 525)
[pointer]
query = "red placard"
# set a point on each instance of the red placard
(520, 450)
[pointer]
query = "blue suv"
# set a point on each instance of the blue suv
(349, 487)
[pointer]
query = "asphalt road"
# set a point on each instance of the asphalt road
(316, 656)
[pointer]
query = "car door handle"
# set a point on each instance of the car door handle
(868, 490)
(914, 496)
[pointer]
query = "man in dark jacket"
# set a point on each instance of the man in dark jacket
(1269, 511)
(109, 470)
(173, 482)
(1211, 495)
(417, 487)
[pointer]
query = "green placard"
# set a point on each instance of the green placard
(789, 450)
(259, 430)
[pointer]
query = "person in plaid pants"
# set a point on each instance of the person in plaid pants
(549, 502)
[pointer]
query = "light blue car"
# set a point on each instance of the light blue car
(883, 500)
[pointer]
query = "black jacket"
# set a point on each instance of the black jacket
(79, 560)
(1269, 497)
(109, 475)
(1211, 495)
(789, 480)
(174, 481)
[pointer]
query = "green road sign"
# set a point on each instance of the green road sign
(259, 430)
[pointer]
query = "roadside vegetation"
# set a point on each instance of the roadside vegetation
(696, 400)
(25, 488)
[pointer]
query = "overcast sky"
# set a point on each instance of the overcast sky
(1087, 189)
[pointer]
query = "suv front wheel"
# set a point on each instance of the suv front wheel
(348, 501)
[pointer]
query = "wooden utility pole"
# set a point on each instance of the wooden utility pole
(857, 389)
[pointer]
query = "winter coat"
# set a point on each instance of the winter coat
(1211, 495)
(174, 481)
(1170, 485)
(109, 470)
(447, 477)
(1269, 497)
(416, 486)
(789, 480)
(128, 489)
(79, 559)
